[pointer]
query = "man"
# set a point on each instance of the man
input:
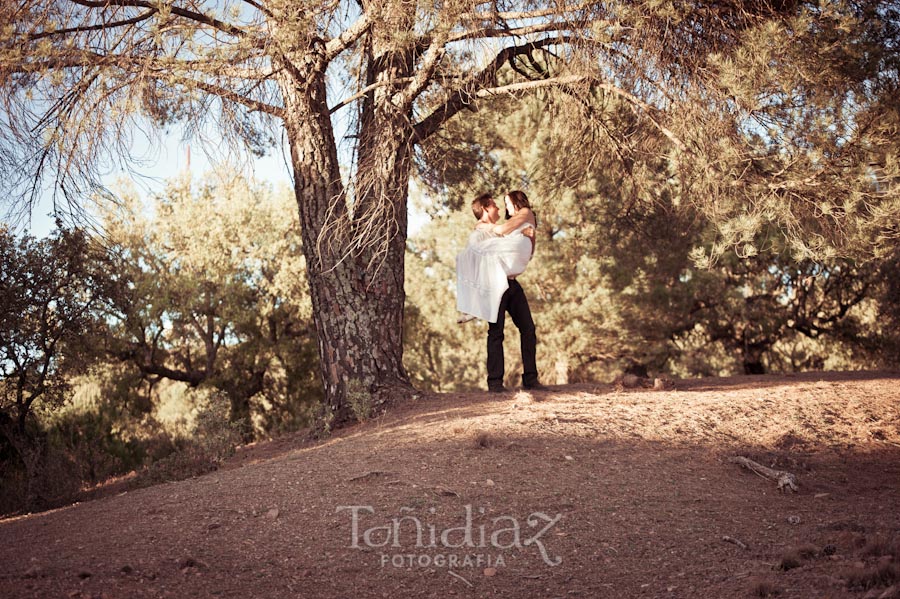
(513, 301)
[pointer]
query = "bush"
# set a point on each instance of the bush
(55, 482)
(214, 440)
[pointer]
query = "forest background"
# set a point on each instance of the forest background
(761, 236)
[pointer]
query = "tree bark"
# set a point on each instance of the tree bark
(354, 254)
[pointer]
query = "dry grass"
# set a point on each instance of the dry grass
(484, 440)
(883, 575)
(789, 560)
(763, 588)
(879, 546)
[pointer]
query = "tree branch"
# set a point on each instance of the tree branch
(225, 70)
(193, 378)
(98, 27)
(175, 10)
(509, 31)
(650, 111)
(131, 63)
(479, 87)
(336, 45)
(258, 7)
(361, 93)
(530, 85)
(227, 94)
(464, 95)
(88, 58)
(522, 15)
(424, 73)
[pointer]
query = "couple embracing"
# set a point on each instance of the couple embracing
(486, 285)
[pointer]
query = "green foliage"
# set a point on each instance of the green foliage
(439, 354)
(812, 147)
(755, 115)
(51, 292)
(51, 481)
(213, 440)
(213, 290)
(195, 307)
(615, 283)
(216, 436)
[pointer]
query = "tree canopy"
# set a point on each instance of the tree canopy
(211, 292)
(51, 294)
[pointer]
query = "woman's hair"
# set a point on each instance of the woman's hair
(519, 199)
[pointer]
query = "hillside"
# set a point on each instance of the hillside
(628, 492)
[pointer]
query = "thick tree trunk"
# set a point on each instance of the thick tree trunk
(753, 358)
(359, 320)
(354, 255)
(754, 366)
(239, 392)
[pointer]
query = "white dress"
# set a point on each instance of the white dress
(483, 267)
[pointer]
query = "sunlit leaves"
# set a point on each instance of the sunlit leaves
(215, 290)
(51, 291)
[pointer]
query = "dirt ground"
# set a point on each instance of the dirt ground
(579, 491)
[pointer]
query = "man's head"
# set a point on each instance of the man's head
(485, 209)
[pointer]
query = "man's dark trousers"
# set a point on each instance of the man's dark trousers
(514, 302)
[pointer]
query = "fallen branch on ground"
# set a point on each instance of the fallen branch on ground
(370, 474)
(445, 492)
(737, 542)
(785, 480)
(452, 573)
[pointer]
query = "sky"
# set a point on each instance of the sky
(170, 159)
(172, 155)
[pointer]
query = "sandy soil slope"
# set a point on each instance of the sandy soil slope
(579, 491)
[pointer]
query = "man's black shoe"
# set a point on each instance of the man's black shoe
(497, 390)
(536, 387)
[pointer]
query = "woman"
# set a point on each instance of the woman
(494, 254)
